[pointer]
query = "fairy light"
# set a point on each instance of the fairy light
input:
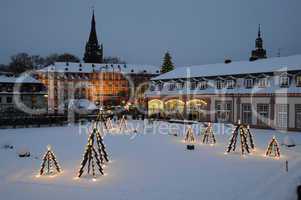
(273, 149)
(123, 124)
(189, 137)
(49, 165)
(208, 136)
(95, 155)
(245, 136)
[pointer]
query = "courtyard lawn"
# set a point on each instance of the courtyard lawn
(151, 164)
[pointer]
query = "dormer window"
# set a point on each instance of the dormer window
(284, 81)
(230, 84)
(298, 80)
(193, 85)
(248, 82)
(263, 82)
(219, 84)
(203, 85)
(180, 86)
(152, 87)
(171, 87)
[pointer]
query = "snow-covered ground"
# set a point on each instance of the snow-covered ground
(151, 165)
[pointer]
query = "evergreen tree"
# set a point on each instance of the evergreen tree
(167, 63)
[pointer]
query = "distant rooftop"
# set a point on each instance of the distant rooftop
(90, 67)
(15, 79)
(289, 63)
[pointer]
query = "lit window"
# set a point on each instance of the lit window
(284, 81)
(248, 83)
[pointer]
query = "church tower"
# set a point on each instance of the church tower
(94, 52)
(259, 52)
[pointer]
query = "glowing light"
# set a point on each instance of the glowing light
(94, 179)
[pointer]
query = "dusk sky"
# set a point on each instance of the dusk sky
(140, 31)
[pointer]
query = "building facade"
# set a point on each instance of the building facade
(26, 90)
(264, 93)
(102, 84)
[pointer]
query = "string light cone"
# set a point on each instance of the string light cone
(109, 123)
(91, 158)
(273, 148)
(122, 124)
(49, 165)
(100, 120)
(208, 136)
(246, 139)
(189, 137)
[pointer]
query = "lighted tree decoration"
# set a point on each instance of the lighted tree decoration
(208, 136)
(245, 136)
(273, 148)
(101, 147)
(189, 137)
(109, 123)
(49, 165)
(91, 157)
(122, 124)
(100, 119)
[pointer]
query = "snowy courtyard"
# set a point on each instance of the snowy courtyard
(149, 164)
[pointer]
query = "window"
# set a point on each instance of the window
(298, 116)
(298, 81)
(230, 84)
(263, 82)
(248, 83)
(9, 99)
(203, 85)
(0, 99)
(219, 84)
(179, 86)
(282, 115)
(171, 87)
(223, 111)
(152, 87)
(284, 81)
(263, 114)
(247, 113)
(193, 85)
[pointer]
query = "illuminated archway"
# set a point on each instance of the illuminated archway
(174, 106)
(196, 109)
(155, 106)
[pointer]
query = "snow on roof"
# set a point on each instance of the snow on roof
(16, 79)
(90, 67)
(289, 63)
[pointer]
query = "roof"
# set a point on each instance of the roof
(20, 79)
(289, 63)
(90, 67)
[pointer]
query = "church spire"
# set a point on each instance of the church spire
(259, 31)
(94, 52)
(259, 52)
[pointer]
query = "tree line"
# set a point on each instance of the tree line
(22, 62)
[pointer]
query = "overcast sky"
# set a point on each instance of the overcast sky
(140, 31)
